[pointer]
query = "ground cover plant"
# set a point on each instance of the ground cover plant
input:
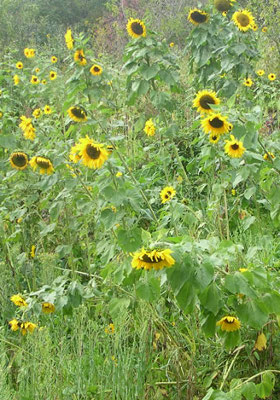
(140, 213)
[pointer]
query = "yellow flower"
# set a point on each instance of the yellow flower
(19, 65)
(53, 75)
(243, 19)
(37, 113)
(248, 82)
(260, 342)
(69, 39)
(268, 156)
(44, 82)
(233, 192)
(92, 154)
(18, 300)
(19, 220)
(37, 70)
(215, 123)
(14, 325)
(54, 59)
(214, 137)
(48, 308)
(197, 16)
(152, 259)
(167, 194)
(34, 80)
(110, 329)
(150, 128)
(27, 327)
(16, 79)
(77, 114)
(44, 164)
(32, 251)
(96, 70)
(19, 160)
(229, 324)
(79, 57)
(27, 128)
(264, 29)
(255, 27)
(271, 77)
(29, 53)
(204, 99)
(119, 174)
(234, 148)
(260, 72)
(136, 28)
(171, 44)
(243, 269)
(47, 109)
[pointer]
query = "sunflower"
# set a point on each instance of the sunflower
(37, 70)
(171, 44)
(271, 77)
(77, 114)
(34, 80)
(264, 29)
(255, 27)
(260, 72)
(230, 127)
(215, 123)
(204, 99)
(96, 70)
(229, 324)
(214, 137)
(54, 59)
(136, 28)
(93, 155)
(248, 82)
(152, 259)
(243, 19)
(150, 128)
(14, 325)
(19, 160)
(260, 343)
(69, 39)
(223, 5)
(43, 163)
(110, 148)
(18, 300)
(197, 16)
(27, 327)
(27, 128)
(79, 57)
(48, 308)
(19, 65)
(44, 82)
(53, 75)
(33, 251)
(268, 156)
(16, 79)
(37, 113)
(234, 148)
(29, 53)
(47, 109)
(167, 194)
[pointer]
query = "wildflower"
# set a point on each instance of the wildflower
(16, 79)
(197, 16)
(136, 28)
(79, 57)
(69, 39)
(248, 82)
(233, 192)
(171, 44)
(268, 156)
(29, 53)
(19, 65)
(44, 164)
(150, 128)
(214, 137)
(229, 324)
(37, 70)
(92, 154)
(14, 324)
(271, 77)
(48, 308)
(77, 114)
(234, 148)
(53, 75)
(44, 82)
(260, 72)
(47, 109)
(215, 123)
(27, 327)
(167, 194)
(260, 342)
(255, 27)
(152, 259)
(37, 113)
(264, 29)
(32, 251)
(34, 80)
(119, 174)
(96, 70)
(19, 160)
(54, 59)
(27, 128)
(204, 99)
(243, 19)
(18, 300)
(110, 329)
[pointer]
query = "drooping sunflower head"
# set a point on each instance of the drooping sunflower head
(234, 148)
(18, 300)
(96, 70)
(223, 5)
(204, 99)
(54, 59)
(268, 156)
(260, 72)
(215, 123)
(197, 16)
(243, 19)
(271, 77)
(136, 28)
(77, 114)
(48, 308)
(248, 82)
(34, 80)
(14, 325)
(69, 39)
(53, 75)
(19, 160)
(167, 194)
(44, 164)
(93, 154)
(229, 324)
(150, 128)
(79, 57)
(19, 65)
(152, 259)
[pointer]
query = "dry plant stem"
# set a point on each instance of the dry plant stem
(136, 183)
(229, 368)
(226, 214)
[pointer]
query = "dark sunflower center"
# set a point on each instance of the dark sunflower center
(198, 17)
(222, 5)
(214, 137)
(137, 28)
(78, 112)
(44, 164)
(205, 101)
(52, 75)
(35, 79)
(243, 19)
(235, 146)
(151, 260)
(216, 122)
(96, 69)
(80, 56)
(92, 152)
(229, 321)
(19, 160)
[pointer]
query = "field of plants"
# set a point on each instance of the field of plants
(140, 209)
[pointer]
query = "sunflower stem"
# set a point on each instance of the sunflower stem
(226, 214)
(181, 164)
(230, 367)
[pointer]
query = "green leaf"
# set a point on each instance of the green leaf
(253, 314)
(210, 298)
(187, 297)
(250, 192)
(237, 283)
(129, 240)
(179, 275)
(264, 389)
(117, 306)
(150, 72)
(232, 339)
(143, 88)
(48, 229)
(249, 391)
(149, 291)
(108, 218)
(209, 325)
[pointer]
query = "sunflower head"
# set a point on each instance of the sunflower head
(79, 57)
(77, 114)
(215, 123)
(54, 59)
(34, 80)
(248, 82)
(272, 77)
(69, 39)
(197, 16)
(48, 308)
(18, 300)
(229, 324)
(37, 113)
(264, 29)
(152, 259)
(47, 109)
(150, 128)
(44, 164)
(268, 156)
(136, 28)
(92, 154)
(214, 137)
(96, 70)
(16, 80)
(44, 81)
(167, 194)
(53, 75)
(260, 72)
(234, 148)
(19, 65)
(204, 99)
(14, 325)
(243, 19)
(19, 160)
